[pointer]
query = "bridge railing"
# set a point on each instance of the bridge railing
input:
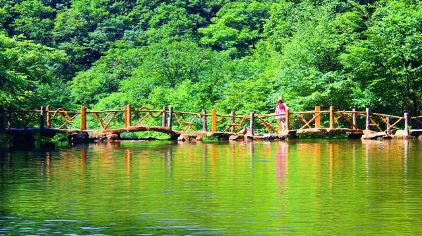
(108, 120)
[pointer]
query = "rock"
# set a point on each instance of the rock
(403, 134)
(270, 136)
(181, 138)
(198, 138)
(112, 136)
(78, 138)
(233, 137)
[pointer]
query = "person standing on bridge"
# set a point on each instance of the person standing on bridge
(280, 112)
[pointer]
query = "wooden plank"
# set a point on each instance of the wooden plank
(331, 117)
(287, 120)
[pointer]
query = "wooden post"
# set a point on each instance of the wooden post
(406, 122)
(128, 122)
(163, 117)
(331, 117)
(204, 121)
(170, 117)
(83, 118)
(213, 120)
(42, 118)
(368, 119)
(387, 121)
(318, 118)
(252, 123)
(287, 120)
(48, 117)
(232, 122)
(2, 120)
(354, 119)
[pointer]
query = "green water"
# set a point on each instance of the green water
(339, 187)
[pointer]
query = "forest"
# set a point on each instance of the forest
(200, 54)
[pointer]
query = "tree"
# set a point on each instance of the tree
(387, 63)
(28, 73)
(237, 27)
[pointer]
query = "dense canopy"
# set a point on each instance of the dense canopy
(231, 55)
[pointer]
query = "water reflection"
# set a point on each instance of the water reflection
(304, 187)
(282, 162)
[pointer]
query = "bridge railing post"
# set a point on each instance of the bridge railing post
(128, 116)
(287, 123)
(252, 123)
(48, 117)
(204, 121)
(388, 124)
(83, 118)
(213, 120)
(170, 117)
(163, 117)
(42, 117)
(331, 117)
(354, 119)
(406, 116)
(368, 119)
(232, 122)
(317, 117)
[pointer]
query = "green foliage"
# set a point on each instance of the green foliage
(388, 61)
(28, 74)
(237, 27)
(231, 55)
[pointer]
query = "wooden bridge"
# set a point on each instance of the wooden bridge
(109, 124)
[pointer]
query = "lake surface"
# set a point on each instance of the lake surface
(298, 187)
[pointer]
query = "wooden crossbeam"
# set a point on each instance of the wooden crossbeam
(307, 123)
(347, 120)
